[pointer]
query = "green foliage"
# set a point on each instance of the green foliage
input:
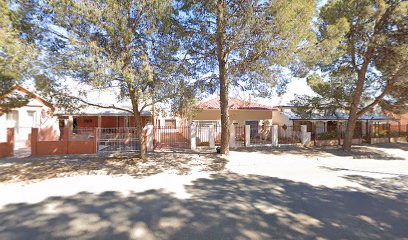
(327, 135)
(260, 37)
(17, 57)
(362, 54)
(379, 133)
(124, 45)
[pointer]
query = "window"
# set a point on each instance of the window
(207, 123)
(32, 119)
(12, 119)
(75, 125)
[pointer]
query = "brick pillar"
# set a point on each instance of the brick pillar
(193, 135)
(314, 133)
(232, 136)
(34, 140)
(339, 137)
(10, 140)
(95, 139)
(247, 135)
(389, 132)
(149, 140)
(275, 135)
(65, 138)
(305, 135)
(211, 136)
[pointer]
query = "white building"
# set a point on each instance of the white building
(37, 113)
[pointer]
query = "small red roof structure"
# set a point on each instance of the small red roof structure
(29, 94)
(234, 104)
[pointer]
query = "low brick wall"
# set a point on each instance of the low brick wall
(379, 140)
(7, 148)
(398, 139)
(331, 142)
(63, 147)
(334, 142)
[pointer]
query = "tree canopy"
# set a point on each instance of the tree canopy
(242, 44)
(127, 46)
(361, 51)
(17, 57)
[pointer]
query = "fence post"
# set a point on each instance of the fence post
(66, 140)
(149, 142)
(314, 133)
(339, 133)
(399, 129)
(275, 135)
(211, 136)
(306, 136)
(95, 139)
(389, 132)
(10, 140)
(247, 135)
(232, 136)
(193, 135)
(34, 139)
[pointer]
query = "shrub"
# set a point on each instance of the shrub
(327, 135)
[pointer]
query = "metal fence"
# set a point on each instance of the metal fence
(203, 136)
(399, 130)
(117, 140)
(80, 134)
(379, 130)
(260, 135)
(170, 137)
(288, 135)
(239, 136)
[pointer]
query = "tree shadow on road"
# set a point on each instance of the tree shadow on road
(377, 152)
(40, 168)
(227, 206)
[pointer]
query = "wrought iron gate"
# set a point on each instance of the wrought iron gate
(171, 137)
(117, 139)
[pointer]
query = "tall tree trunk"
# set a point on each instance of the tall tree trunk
(222, 70)
(353, 114)
(141, 135)
(138, 120)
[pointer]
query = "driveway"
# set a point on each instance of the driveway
(265, 193)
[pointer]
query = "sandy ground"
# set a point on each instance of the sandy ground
(278, 193)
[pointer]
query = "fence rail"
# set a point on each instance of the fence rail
(117, 139)
(80, 134)
(170, 137)
(288, 135)
(260, 135)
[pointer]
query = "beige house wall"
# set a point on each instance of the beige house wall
(279, 118)
(236, 116)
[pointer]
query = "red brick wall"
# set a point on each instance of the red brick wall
(7, 148)
(87, 121)
(43, 148)
(108, 121)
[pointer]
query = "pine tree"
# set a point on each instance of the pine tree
(17, 57)
(125, 45)
(243, 43)
(362, 50)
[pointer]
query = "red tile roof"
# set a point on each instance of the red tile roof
(234, 103)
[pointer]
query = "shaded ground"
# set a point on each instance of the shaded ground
(41, 168)
(250, 195)
(377, 151)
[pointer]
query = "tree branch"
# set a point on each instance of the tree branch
(101, 106)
